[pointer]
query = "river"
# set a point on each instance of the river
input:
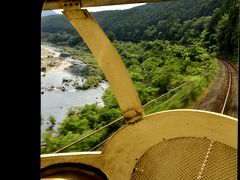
(56, 101)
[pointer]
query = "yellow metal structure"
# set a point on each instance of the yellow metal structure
(121, 153)
(109, 61)
(120, 157)
(61, 4)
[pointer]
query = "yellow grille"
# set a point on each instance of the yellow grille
(187, 158)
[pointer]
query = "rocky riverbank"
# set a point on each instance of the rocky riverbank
(51, 61)
(61, 76)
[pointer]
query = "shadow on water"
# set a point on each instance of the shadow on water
(78, 69)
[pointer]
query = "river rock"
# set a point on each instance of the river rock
(66, 80)
(43, 69)
(63, 88)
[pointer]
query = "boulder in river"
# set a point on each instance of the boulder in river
(65, 80)
(63, 88)
(43, 69)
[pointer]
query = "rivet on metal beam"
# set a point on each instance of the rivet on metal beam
(132, 116)
(71, 5)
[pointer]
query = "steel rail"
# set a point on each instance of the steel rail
(229, 85)
(234, 66)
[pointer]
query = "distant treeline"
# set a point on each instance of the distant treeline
(213, 24)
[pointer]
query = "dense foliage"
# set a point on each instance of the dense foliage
(222, 33)
(156, 67)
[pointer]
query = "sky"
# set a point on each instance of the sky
(106, 8)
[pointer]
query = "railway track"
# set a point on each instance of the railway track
(222, 94)
(230, 106)
(227, 65)
(233, 66)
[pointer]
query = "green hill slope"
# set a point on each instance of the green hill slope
(211, 23)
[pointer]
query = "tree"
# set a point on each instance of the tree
(51, 123)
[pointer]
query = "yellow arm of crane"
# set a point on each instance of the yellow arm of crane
(59, 4)
(109, 61)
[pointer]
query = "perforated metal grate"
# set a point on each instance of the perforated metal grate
(187, 158)
(222, 163)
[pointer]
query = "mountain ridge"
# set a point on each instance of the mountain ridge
(212, 23)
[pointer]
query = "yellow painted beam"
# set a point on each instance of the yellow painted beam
(59, 4)
(109, 61)
(52, 5)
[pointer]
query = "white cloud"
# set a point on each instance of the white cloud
(107, 8)
(58, 11)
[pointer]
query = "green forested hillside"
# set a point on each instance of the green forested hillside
(210, 23)
(155, 20)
